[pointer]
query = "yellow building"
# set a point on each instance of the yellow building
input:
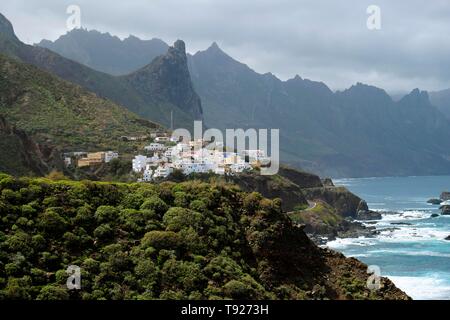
(91, 159)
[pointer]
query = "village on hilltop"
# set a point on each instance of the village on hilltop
(165, 154)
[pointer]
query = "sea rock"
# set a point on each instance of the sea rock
(363, 212)
(435, 201)
(445, 196)
(368, 215)
(434, 215)
(362, 206)
(448, 238)
(445, 210)
(327, 182)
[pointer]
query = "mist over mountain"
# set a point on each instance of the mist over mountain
(441, 99)
(106, 53)
(360, 131)
(156, 107)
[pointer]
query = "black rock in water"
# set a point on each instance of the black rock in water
(434, 201)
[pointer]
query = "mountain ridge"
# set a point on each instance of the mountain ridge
(116, 89)
(360, 131)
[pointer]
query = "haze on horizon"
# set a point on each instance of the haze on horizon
(319, 40)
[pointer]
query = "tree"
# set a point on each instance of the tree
(156, 204)
(52, 223)
(162, 240)
(106, 214)
(53, 292)
(176, 219)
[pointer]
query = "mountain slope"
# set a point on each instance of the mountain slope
(59, 113)
(105, 53)
(441, 99)
(360, 131)
(118, 89)
(20, 155)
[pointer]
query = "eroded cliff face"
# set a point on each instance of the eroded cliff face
(272, 187)
(340, 198)
(287, 258)
(21, 155)
(167, 80)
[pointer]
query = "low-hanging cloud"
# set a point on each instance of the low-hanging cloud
(320, 40)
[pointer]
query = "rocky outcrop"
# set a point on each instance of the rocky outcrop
(325, 273)
(445, 196)
(434, 201)
(363, 212)
(302, 179)
(345, 202)
(327, 182)
(448, 238)
(272, 187)
(323, 224)
(167, 80)
(445, 210)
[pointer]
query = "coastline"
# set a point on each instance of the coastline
(409, 245)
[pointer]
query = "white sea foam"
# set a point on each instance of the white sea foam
(412, 234)
(342, 243)
(424, 288)
(405, 215)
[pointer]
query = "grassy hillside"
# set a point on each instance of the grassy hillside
(60, 113)
(171, 241)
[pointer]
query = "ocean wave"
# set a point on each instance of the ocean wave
(342, 243)
(431, 287)
(412, 234)
(405, 215)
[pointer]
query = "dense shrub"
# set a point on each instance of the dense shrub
(190, 240)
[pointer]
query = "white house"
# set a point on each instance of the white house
(155, 147)
(139, 163)
(110, 155)
(162, 172)
(148, 174)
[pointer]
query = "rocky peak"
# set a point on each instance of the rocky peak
(6, 27)
(416, 98)
(180, 46)
(168, 79)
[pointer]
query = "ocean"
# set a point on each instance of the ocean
(414, 254)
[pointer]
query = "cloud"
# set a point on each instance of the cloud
(321, 40)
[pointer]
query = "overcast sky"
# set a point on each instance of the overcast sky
(316, 39)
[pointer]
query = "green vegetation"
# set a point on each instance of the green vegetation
(190, 240)
(322, 217)
(134, 241)
(62, 114)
